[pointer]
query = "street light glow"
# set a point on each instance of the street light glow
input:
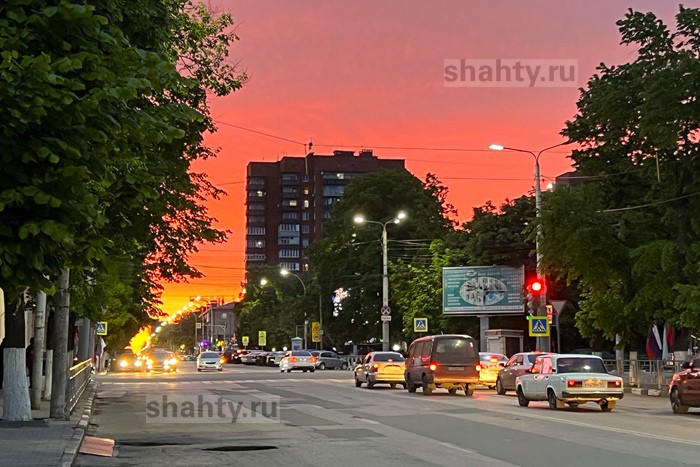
(496, 147)
(358, 219)
(263, 281)
(401, 215)
(284, 272)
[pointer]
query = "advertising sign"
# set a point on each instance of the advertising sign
(482, 290)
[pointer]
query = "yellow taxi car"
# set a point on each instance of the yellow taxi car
(491, 364)
(381, 368)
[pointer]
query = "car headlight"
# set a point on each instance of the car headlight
(173, 361)
(138, 363)
(123, 363)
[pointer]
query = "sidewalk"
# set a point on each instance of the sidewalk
(42, 441)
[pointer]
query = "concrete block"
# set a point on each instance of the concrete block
(639, 391)
(654, 392)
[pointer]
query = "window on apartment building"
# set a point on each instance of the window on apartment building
(289, 266)
(256, 182)
(256, 193)
(306, 204)
(305, 229)
(290, 177)
(290, 202)
(255, 257)
(256, 219)
(256, 206)
(290, 216)
(289, 227)
(256, 243)
(306, 191)
(256, 230)
(333, 190)
(305, 216)
(290, 190)
(304, 242)
(288, 240)
(289, 253)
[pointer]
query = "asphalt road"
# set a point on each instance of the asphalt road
(321, 419)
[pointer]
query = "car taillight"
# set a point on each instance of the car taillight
(574, 384)
(617, 383)
(478, 368)
(292, 359)
(312, 359)
(375, 367)
(221, 360)
(433, 366)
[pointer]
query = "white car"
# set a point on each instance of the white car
(210, 361)
(571, 379)
(298, 360)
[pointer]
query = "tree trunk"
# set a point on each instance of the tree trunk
(48, 380)
(16, 406)
(60, 350)
(39, 340)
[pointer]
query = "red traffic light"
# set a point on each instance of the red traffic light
(537, 286)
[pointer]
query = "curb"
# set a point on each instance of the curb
(71, 451)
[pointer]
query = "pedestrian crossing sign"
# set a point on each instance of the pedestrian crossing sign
(101, 328)
(420, 324)
(539, 326)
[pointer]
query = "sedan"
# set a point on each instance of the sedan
(161, 360)
(126, 360)
(210, 361)
(327, 359)
(273, 358)
(298, 360)
(569, 379)
(518, 365)
(380, 368)
(685, 387)
(491, 364)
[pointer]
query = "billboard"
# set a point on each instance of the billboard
(482, 290)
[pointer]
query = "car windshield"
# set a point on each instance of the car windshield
(385, 357)
(316, 354)
(301, 353)
(161, 355)
(453, 350)
(532, 357)
(580, 365)
(210, 355)
(487, 357)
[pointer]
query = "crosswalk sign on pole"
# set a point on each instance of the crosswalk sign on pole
(101, 328)
(539, 326)
(262, 338)
(420, 324)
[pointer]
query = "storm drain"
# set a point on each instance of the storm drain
(240, 448)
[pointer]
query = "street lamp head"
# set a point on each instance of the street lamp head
(496, 147)
(358, 219)
(263, 282)
(284, 272)
(401, 215)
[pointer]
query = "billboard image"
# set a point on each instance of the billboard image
(482, 290)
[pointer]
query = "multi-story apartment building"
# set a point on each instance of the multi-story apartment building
(288, 201)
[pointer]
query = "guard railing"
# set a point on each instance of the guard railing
(79, 378)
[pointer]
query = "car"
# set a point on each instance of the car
(210, 360)
(261, 358)
(571, 379)
(273, 358)
(491, 364)
(517, 365)
(449, 361)
(249, 358)
(160, 359)
(298, 360)
(381, 368)
(234, 356)
(325, 359)
(684, 388)
(126, 360)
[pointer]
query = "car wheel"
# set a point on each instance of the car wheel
(469, 390)
(522, 400)
(500, 390)
(607, 406)
(322, 366)
(370, 384)
(304, 370)
(289, 370)
(404, 385)
(552, 399)
(573, 405)
(427, 388)
(409, 385)
(393, 385)
(344, 366)
(199, 369)
(676, 405)
(281, 371)
(221, 369)
(312, 370)
(452, 391)
(358, 383)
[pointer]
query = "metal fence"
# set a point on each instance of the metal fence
(79, 377)
(650, 374)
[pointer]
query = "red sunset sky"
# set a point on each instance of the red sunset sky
(347, 75)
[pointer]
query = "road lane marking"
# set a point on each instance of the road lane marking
(454, 446)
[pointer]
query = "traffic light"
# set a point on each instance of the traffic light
(533, 292)
(536, 286)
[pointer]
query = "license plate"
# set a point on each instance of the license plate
(303, 359)
(456, 368)
(595, 383)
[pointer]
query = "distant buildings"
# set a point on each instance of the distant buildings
(288, 201)
(569, 179)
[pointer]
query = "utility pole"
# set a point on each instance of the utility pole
(39, 345)
(60, 362)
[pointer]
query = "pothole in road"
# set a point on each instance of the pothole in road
(240, 448)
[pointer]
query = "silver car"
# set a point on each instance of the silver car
(209, 361)
(327, 359)
(298, 360)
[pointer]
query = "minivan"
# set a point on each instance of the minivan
(448, 361)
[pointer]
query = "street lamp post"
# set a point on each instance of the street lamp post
(543, 343)
(360, 219)
(287, 272)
